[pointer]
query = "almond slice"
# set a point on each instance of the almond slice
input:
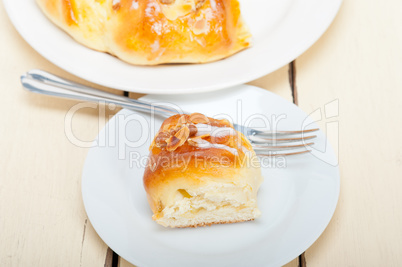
(160, 139)
(165, 127)
(191, 142)
(183, 133)
(198, 118)
(182, 120)
(174, 130)
(201, 136)
(178, 139)
(172, 143)
(193, 129)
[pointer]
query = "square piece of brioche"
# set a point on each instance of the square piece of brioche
(201, 172)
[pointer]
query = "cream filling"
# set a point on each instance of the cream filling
(218, 203)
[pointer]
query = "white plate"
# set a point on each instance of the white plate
(282, 29)
(297, 201)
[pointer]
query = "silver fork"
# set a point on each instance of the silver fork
(265, 143)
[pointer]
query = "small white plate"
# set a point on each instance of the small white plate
(297, 198)
(282, 29)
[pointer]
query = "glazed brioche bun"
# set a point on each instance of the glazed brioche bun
(150, 32)
(200, 172)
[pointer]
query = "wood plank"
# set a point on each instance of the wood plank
(276, 82)
(42, 217)
(358, 63)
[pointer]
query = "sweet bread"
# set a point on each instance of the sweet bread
(200, 172)
(150, 32)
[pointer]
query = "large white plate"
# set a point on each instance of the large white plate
(282, 29)
(297, 200)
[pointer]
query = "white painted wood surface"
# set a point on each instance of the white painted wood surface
(357, 62)
(42, 218)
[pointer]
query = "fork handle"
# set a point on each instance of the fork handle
(42, 82)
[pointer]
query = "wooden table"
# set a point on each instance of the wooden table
(357, 63)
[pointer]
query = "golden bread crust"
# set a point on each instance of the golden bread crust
(83, 20)
(148, 32)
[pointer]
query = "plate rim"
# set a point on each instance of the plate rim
(279, 262)
(265, 69)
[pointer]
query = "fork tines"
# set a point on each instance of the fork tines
(282, 133)
(272, 143)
